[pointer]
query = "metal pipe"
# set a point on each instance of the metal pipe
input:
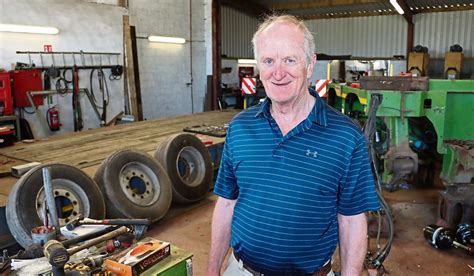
(97, 240)
(82, 67)
(69, 53)
(48, 191)
(30, 94)
(191, 53)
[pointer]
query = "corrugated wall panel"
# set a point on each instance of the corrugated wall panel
(237, 31)
(438, 31)
(374, 36)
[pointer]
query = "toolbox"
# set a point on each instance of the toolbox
(7, 137)
(6, 100)
(138, 258)
(24, 81)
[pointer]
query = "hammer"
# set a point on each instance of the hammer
(58, 255)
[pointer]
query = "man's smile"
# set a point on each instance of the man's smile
(281, 84)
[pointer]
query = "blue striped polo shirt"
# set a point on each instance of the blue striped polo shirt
(289, 189)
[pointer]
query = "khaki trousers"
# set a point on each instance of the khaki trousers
(236, 268)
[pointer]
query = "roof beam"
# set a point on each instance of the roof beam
(248, 7)
(443, 9)
(339, 15)
(408, 15)
(320, 4)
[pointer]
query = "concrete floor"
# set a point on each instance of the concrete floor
(189, 227)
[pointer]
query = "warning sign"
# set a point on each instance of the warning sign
(248, 86)
(320, 87)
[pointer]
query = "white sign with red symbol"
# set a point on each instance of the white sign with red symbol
(48, 48)
(248, 86)
(320, 87)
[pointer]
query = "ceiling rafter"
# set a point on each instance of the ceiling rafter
(408, 15)
(320, 4)
(248, 7)
(339, 15)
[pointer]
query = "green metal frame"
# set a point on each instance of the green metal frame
(448, 105)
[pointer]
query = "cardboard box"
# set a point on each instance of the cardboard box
(138, 258)
(180, 263)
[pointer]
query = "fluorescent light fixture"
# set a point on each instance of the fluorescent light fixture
(397, 6)
(166, 39)
(247, 61)
(28, 29)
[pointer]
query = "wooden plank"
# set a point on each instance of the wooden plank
(129, 68)
(395, 83)
(90, 147)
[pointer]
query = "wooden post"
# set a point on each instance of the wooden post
(136, 72)
(129, 68)
(408, 15)
(216, 53)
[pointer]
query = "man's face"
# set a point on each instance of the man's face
(282, 64)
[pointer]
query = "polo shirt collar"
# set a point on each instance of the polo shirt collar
(317, 115)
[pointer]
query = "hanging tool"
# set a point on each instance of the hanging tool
(104, 91)
(102, 83)
(76, 106)
(116, 72)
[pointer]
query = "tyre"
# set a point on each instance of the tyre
(188, 164)
(134, 186)
(75, 194)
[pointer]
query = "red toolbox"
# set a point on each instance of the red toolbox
(24, 81)
(6, 100)
(7, 137)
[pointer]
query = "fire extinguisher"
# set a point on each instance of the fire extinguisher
(52, 116)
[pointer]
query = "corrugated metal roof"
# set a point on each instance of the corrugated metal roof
(311, 9)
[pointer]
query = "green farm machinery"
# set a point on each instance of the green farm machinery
(424, 135)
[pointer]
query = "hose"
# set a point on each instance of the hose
(375, 261)
(104, 89)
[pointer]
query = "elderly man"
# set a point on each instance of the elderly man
(294, 178)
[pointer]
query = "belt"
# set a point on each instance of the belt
(322, 272)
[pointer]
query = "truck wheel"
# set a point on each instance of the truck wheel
(134, 185)
(75, 194)
(188, 164)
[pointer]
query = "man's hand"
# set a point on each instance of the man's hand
(352, 243)
(221, 231)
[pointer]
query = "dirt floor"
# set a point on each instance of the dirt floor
(190, 228)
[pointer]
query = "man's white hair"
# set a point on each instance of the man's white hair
(308, 47)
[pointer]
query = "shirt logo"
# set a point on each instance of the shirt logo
(311, 153)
